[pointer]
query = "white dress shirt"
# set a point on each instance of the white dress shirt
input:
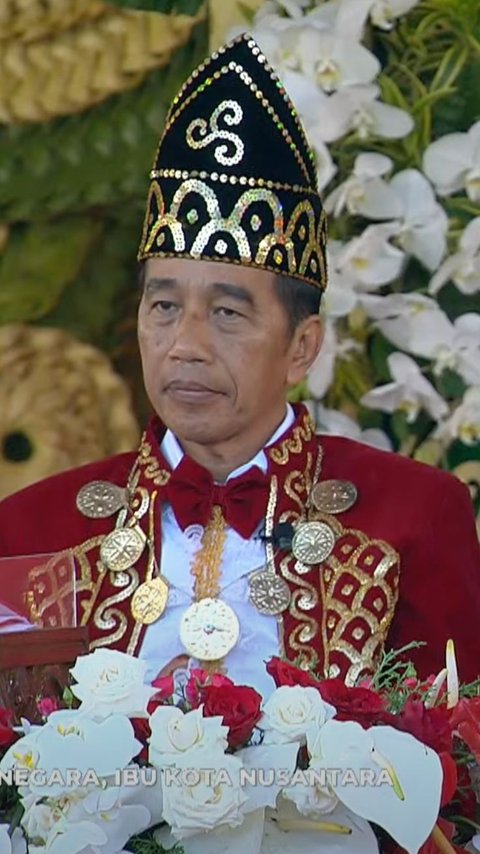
(258, 640)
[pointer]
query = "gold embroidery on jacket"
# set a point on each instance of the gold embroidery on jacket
(293, 445)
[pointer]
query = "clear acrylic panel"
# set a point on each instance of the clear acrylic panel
(37, 591)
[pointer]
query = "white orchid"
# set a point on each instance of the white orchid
(336, 423)
(423, 231)
(333, 61)
(370, 260)
(464, 422)
(356, 109)
(462, 268)
(352, 14)
(409, 392)
(321, 374)
(384, 13)
(365, 192)
(452, 163)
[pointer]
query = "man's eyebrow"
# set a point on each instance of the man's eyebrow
(237, 292)
(154, 285)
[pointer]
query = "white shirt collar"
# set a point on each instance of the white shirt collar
(173, 453)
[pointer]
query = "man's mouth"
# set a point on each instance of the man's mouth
(190, 391)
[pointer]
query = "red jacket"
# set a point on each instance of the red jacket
(413, 520)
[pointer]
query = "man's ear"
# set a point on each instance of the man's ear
(304, 348)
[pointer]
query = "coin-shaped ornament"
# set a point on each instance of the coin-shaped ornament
(209, 629)
(313, 542)
(149, 601)
(269, 593)
(334, 496)
(100, 499)
(122, 548)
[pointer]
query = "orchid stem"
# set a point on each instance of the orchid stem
(441, 841)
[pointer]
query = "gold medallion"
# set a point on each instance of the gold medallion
(100, 499)
(334, 496)
(313, 542)
(209, 629)
(149, 600)
(269, 593)
(122, 548)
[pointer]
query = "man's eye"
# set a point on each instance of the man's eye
(164, 305)
(224, 311)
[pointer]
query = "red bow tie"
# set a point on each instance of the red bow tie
(193, 493)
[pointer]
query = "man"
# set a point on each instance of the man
(235, 533)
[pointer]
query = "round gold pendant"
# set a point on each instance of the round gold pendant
(122, 548)
(100, 499)
(149, 601)
(313, 542)
(269, 593)
(334, 496)
(209, 629)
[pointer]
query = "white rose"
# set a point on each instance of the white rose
(291, 711)
(204, 794)
(111, 682)
(175, 732)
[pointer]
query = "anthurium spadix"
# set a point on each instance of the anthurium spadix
(384, 776)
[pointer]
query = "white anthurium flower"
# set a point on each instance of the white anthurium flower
(409, 392)
(332, 422)
(340, 832)
(70, 739)
(334, 61)
(208, 795)
(267, 769)
(365, 192)
(290, 712)
(464, 422)
(246, 838)
(462, 268)
(16, 844)
(452, 163)
(370, 260)
(423, 232)
(356, 109)
(111, 682)
(175, 733)
(385, 776)
(82, 821)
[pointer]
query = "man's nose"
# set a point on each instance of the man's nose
(192, 340)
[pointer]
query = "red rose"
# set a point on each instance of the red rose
(450, 778)
(465, 800)
(362, 705)
(200, 679)
(141, 728)
(7, 735)
(430, 726)
(284, 673)
(238, 705)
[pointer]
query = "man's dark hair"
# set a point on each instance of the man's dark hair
(298, 299)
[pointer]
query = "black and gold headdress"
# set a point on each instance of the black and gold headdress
(234, 178)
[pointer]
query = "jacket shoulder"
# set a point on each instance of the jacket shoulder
(386, 470)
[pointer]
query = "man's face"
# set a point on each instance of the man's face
(216, 349)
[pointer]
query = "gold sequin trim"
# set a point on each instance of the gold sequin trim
(293, 445)
(150, 465)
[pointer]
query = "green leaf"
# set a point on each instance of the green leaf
(38, 263)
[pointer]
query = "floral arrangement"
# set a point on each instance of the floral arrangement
(388, 93)
(198, 765)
